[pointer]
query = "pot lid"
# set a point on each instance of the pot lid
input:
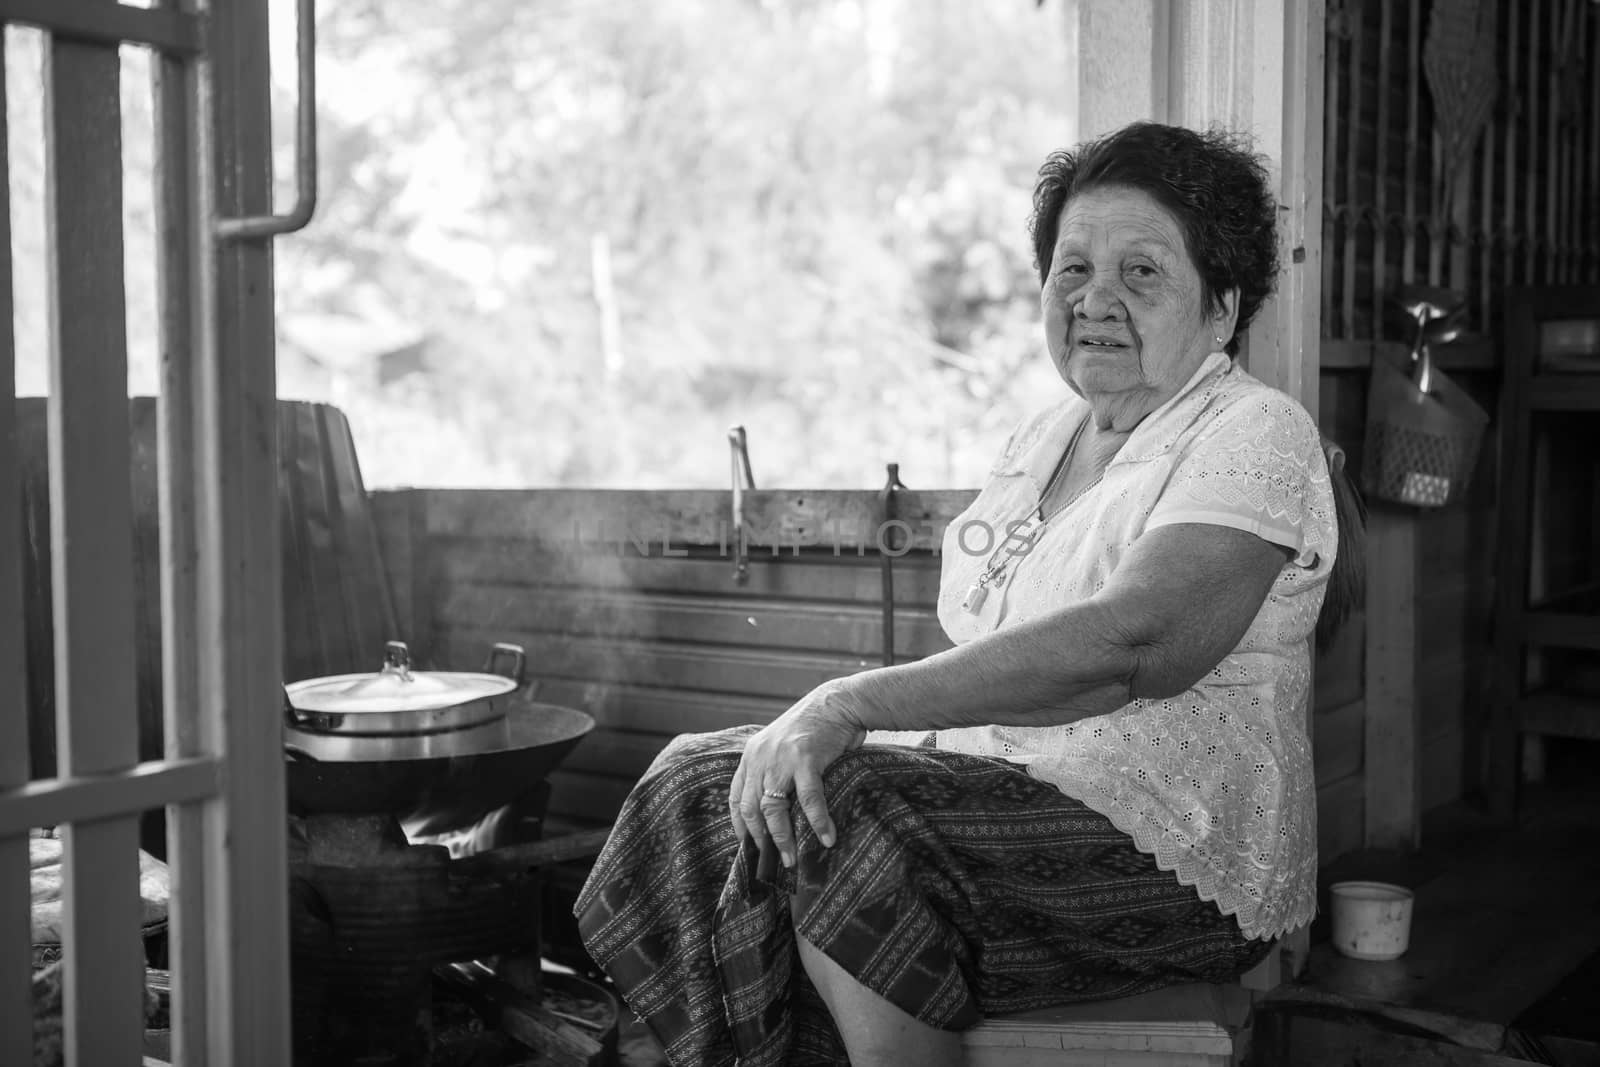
(395, 688)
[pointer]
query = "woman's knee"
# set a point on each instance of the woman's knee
(692, 751)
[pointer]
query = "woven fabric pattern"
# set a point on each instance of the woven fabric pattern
(959, 887)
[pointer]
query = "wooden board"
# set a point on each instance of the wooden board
(752, 622)
(658, 639)
(757, 672)
(1339, 742)
(773, 518)
(1340, 817)
(545, 564)
(650, 709)
(1393, 804)
(16, 997)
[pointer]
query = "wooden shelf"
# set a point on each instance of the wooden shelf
(1537, 319)
(1466, 354)
(1564, 392)
(1560, 714)
(1561, 629)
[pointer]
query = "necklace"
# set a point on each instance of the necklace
(1022, 536)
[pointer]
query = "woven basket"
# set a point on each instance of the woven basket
(1420, 448)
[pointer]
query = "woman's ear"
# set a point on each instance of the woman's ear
(1225, 319)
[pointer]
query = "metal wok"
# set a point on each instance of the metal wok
(433, 793)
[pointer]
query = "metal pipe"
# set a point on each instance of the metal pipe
(305, 145)
(743, 478)
(886, 553)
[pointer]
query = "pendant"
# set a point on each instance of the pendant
(973, 602)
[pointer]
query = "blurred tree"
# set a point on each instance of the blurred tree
(620, 228)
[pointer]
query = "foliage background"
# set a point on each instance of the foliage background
(570, 243)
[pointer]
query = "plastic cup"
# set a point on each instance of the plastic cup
(1371, 920)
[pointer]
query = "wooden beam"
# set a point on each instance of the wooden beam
(1476, 354)
(105, 23)
(1393, 804)
(184, 315)
(16, 998)
(775, 520)
(91, 798)
(90, 530)
(1123, 63)
(1256, 66)
(239, 582)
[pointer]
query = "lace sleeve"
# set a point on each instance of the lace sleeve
(1257, 467)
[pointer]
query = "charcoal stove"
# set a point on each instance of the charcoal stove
(415, 854)
(378, 922)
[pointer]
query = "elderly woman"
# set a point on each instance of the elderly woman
(1106, 785)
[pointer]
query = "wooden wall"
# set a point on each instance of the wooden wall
(653, 645)
(1473, 171)
(1451, 563)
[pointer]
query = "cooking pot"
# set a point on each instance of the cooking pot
(399, 713)
(438, 750)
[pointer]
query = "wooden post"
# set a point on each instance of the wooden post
(1393, 788)
(181, 217)
(1251, 65)
(16, 1002)
(1123, 63)
(90, 523)
(239, 586)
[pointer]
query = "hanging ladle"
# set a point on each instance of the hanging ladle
(1437, 314)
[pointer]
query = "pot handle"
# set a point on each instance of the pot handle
(519, 662)
(291, 714)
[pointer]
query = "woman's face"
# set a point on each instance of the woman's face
(1124, 315)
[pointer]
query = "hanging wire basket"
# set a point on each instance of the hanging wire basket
(1423, 431)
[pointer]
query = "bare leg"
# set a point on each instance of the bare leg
(876, 1033)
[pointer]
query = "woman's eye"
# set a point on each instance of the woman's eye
(1142, 270)
(1074, 269)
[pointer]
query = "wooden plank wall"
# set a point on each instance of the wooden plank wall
(649, 643)
(653, 645)
(1453, 577)
(1398, 208)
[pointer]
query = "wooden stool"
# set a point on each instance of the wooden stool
(1193, 1025)
(1197, 1025)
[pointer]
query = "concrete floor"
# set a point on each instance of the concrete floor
(1502, 914)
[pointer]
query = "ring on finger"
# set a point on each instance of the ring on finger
(775, 794)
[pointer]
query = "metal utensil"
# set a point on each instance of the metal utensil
(1437, 315)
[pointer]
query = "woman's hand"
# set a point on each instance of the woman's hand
(786, 759)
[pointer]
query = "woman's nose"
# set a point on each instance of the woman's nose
(1096, 300)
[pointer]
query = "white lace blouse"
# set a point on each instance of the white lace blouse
(1216, 783)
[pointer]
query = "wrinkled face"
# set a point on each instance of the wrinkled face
(1124, 315)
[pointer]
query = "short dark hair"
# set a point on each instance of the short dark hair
(1214, 185)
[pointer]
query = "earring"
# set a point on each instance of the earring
(1219, 338)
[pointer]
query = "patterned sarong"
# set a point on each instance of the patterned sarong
(958, 887)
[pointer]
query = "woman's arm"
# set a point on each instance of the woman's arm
(1180, 600)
